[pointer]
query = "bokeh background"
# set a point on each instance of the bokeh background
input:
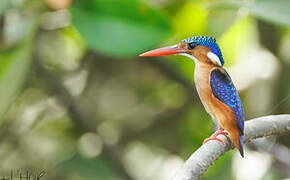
(77, 102)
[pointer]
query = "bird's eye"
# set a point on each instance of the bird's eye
(191, 45)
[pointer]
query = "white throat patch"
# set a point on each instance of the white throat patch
(214, 58)
(190, 56)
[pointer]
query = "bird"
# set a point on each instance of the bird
(214, 86)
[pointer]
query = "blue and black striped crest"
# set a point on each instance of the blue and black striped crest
(206, 41)
(200, 39)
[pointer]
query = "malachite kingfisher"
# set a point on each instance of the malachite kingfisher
(214, 85)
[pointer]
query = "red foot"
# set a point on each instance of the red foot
(214, 136)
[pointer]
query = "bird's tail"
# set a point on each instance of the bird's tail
(237, 139)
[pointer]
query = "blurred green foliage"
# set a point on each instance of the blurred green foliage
(14, 66)
(114, 27)
(96, 168)
(78, 102)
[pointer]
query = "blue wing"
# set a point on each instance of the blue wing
(224, 90)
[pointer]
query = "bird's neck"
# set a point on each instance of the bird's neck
(202, 71)
(202, 76)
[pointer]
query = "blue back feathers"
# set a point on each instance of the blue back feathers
(206, 41)
(224, 90)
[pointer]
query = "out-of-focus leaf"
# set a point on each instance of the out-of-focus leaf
(276, 12)
(119, 28)
(14, 65)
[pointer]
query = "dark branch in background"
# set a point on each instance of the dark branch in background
(270, 39)
(79, 116)
(1, 32)
(269, 36)
(56, 87)
(205, 156)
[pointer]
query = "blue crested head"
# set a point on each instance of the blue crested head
(206, 41)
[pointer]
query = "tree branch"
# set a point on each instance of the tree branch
(205, 156)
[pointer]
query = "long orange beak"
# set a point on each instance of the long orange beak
(170, 50)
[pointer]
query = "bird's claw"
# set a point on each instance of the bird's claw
(214, 136)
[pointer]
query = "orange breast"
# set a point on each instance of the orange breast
(221, 112)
